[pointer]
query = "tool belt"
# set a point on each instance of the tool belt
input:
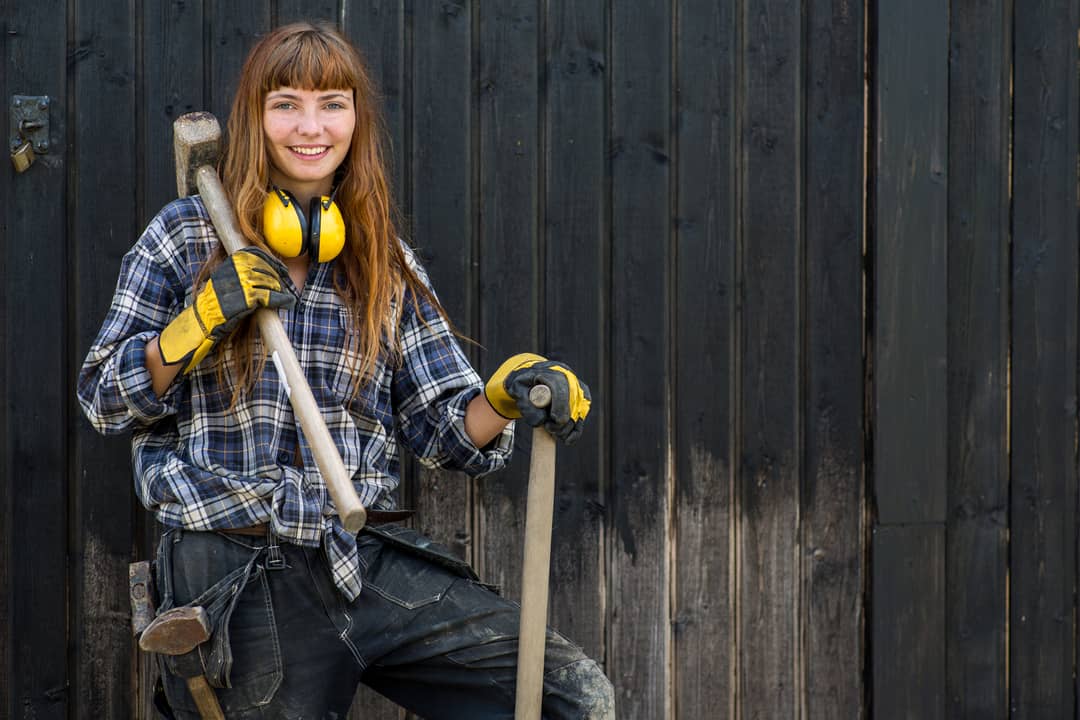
(220, 599)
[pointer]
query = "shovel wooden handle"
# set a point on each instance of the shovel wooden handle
(532, 631)
(337, 478)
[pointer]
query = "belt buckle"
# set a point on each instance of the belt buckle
(275, 559)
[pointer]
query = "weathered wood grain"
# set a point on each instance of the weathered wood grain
(172, 62)
(443, 217)
(977, 530)
(1042, 553)
(833, 506)
(705, 662)
(370, 705)
(328, 11)
(102, 528)
(8, 34)
(378, 30)
(910, 165)
(34, 460)
(909, 290)
(771, 239)
(909, 661)
(234, 28)
(509, 253)
(572, 316)
(639, 641)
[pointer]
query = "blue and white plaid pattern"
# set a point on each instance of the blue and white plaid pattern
(201, 466)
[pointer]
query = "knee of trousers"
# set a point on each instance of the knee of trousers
(585, 687)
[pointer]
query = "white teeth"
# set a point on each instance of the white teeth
(309, 151)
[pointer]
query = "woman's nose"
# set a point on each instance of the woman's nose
(309, 123)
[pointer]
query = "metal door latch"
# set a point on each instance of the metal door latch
(29, 116)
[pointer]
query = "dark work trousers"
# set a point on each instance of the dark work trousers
(424, 632)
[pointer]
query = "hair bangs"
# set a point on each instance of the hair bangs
(309, 60)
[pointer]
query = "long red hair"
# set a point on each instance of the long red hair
(372, 275)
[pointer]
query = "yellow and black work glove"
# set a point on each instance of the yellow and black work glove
(245, 281)
(508, 392)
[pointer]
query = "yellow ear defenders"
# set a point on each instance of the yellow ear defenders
(291, 233)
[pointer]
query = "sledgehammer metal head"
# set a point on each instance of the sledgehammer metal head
(196, 142)
(177, 631)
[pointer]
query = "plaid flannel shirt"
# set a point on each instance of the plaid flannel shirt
(201, 466)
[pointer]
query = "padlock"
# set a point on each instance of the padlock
(23, 157)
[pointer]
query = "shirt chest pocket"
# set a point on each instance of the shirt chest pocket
(331, 352)
(346, 362)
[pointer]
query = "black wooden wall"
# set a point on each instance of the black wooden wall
(817, 260)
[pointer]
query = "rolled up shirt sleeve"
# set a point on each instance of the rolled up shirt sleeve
(118, 393)
(114, 387)
(432, 389)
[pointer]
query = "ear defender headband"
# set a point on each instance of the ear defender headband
(291, 233)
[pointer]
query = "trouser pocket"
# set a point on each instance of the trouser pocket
(225, 577)
(407, 568)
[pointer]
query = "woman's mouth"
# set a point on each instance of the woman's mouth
(310, 152)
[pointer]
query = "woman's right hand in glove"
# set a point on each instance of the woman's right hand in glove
(245, 281)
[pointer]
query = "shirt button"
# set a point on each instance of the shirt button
(284, 457)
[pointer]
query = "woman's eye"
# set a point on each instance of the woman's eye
(283, 106)
(335, 106)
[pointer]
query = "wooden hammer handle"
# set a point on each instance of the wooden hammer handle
(532, 632)
(337, 478)
(205, 699)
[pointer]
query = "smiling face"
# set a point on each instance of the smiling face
(308, 134)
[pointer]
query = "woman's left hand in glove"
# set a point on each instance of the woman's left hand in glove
(508, 392)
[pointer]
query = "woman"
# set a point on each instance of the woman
(302, 610)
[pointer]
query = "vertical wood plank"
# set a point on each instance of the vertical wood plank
(34, 467)
(909, 349)
(1042, 622)
(769, 394)
(508, 257)
(172, 40)
(705, 661)
(912, 685)
(639, 641)
(573, 314)
(979, 108)
(833, 504)
(910, 164)
(234, 28)
(443, 212)
(104, 505)
(377, 28)
(8, 33)
(289, 11)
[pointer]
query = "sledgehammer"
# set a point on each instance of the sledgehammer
(532, 631)
(196, 143)
(177, 632)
